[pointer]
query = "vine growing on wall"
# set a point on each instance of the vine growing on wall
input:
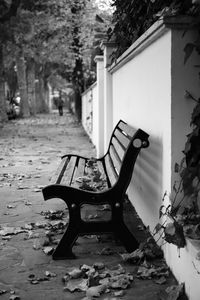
(185, 219)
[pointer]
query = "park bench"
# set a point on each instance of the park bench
(116, 168)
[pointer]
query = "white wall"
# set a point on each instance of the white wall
(148, 87)
(142, 97)
(99, 107)
(95, 130)
(88, 98)
(93, 109)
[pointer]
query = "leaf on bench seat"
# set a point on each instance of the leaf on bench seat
(93, 180)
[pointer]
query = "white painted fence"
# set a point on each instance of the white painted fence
(146, 88)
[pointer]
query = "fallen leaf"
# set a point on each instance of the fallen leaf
(36, 190)
(75, 273)
(28, 226)
(11, 206)
(96, 291)
(14, 297)
(37, 245)
(85, 268)
(175, 291)
(41, 224)
(99, 265)
(37, 176)
(50, 274)
(92, 217)
(6, 238)
(48, 250)
(28, 203)
(20, 187)
(3, 292)
(11, 231)
(119, 293)
(121, 281)
(161, 280)
(148, 271)
(107, 251)
(79, 285)
(105, 207)
(53, 215)
(133, 257)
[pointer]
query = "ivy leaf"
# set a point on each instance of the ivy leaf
(170, 229)
(176, 168)
(187, 147)
(195, 115)
(176, 292)
(174, 187)
(160, 211)
(99, 19)
(195, 182)
(157, 228)
(174, 234)
(174, 211)
(188, 51)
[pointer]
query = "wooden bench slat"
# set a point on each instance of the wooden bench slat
(115, 159)
(110, 170)
(123, 140)
(79, 172)
(118, 148)
(56, 178)
(69, 171)
(102, 171)
(127, 129)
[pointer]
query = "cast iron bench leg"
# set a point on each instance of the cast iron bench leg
(125, 236)
(120, 229)
(64, 248)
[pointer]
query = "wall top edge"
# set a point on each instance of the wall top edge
(107, 44)
(154, 32)
(91, 87)
(98, 58)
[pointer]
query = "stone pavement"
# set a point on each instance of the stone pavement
(29, 154)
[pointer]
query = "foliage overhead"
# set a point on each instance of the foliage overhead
(132, 18)
(53, 32)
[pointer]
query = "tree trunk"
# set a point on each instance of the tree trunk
(78, 107)
(31, 86)
(41, 104)
(3, 114)
(77, 76)
(21, 76)
(47, 98)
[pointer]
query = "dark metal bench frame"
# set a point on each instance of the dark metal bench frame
(118, 182)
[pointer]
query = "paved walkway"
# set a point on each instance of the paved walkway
(29, 153)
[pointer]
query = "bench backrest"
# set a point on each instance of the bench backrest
(124, 147)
